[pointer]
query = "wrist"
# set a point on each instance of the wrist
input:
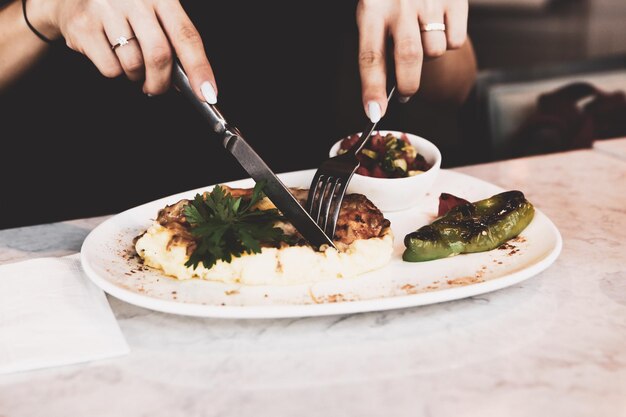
(40, 15)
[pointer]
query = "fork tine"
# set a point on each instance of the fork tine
(321, 187)
(327, 202)
(312, 197)
(331, 225)
(322, 201)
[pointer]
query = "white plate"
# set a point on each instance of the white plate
(107, 259)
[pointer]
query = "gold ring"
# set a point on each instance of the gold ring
(431, 27)
(121, 41)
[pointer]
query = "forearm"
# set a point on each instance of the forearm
(451, 77)
(19, 46)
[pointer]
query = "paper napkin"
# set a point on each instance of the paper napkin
(52, 315)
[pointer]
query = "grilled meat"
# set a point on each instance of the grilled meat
(173, 218)
(358, 218)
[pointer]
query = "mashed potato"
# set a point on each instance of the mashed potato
(273, 266)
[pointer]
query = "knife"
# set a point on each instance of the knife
(234, 142)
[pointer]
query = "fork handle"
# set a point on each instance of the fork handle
(367, 132)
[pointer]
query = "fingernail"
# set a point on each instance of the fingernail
(404, 99)
(208, 92)
(373, 111)
(149, 95)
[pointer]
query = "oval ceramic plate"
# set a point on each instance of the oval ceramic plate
(108, 259)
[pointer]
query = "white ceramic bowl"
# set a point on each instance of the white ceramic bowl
(395, 194)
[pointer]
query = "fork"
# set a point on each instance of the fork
(331, 180)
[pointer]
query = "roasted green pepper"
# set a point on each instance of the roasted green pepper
(471, 227)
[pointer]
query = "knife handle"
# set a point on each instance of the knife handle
(210, 112)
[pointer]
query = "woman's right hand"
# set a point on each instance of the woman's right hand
(161, 29)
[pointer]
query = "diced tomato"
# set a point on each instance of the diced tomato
(363, 171)
(377, 144)
(347, 143)
(378, 172)
(365, 161)
(374, 168)
(419, 164)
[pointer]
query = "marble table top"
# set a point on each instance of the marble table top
(613, 147)
(554, 345)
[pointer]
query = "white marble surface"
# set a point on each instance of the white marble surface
(554, 345)
(612, 147)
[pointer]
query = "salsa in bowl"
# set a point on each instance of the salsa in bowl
(397, 169)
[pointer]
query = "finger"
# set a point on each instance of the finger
(129, 54)
(433, 41)
(188, 46)
(456, 24)
(156, 50)
(408, 55)
(96, 47)
(372, 64)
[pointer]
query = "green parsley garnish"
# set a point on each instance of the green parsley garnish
(225, 226)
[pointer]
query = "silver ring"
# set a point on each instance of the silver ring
(432, 27)
(122, 41)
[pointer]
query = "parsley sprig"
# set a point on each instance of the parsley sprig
(225, 226)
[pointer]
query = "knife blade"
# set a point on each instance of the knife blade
(254, 165)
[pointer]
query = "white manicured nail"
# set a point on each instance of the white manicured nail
(404, 99)
(208, 92)
(373, 111)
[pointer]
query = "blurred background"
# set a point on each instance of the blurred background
(552, 78)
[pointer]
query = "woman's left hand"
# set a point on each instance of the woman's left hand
(407, 22)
